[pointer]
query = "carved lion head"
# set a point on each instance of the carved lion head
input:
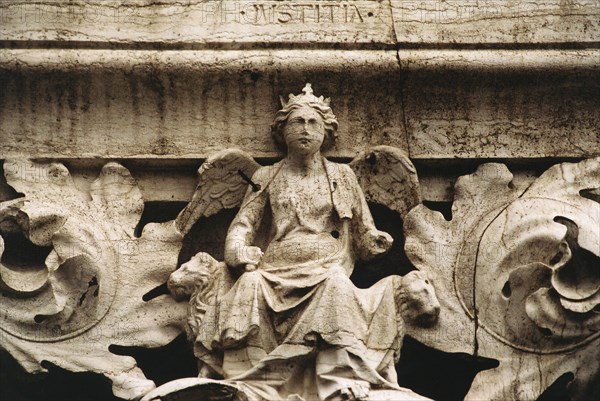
(192, 276)
(417, 300)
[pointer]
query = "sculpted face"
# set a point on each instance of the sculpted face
(304, 131)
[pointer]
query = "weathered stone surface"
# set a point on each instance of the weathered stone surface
(146, 104)
(354, 23)
(222, 183)
(496, 21)
(88, 291)
(149, 104)
(388, 177)
(514, 275)
(194, 389)
(196, 23)
(174, 180)
(501, 104)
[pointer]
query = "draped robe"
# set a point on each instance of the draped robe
(297, 324)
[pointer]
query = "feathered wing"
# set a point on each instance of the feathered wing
(388, 177)
(222, 182)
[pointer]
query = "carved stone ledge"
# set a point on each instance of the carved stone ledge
(116, 104)
(434, 104)
(354, 23)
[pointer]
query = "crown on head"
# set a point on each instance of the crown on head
(305, 98)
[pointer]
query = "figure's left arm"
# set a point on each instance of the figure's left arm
(369, 242)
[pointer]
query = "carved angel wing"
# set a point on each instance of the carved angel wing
(222, 182)
(388, 177)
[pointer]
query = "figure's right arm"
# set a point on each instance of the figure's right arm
(239, 250)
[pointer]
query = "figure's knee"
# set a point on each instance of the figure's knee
(247, 286)
(339, 282)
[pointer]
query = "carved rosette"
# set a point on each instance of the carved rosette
(88, 293)
(518, 275)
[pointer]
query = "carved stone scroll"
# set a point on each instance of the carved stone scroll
(518, 279)
(88, 294)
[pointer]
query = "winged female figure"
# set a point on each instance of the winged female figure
(286, 320)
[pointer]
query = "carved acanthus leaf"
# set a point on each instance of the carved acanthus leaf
(433, 245)
(517, 276)
(117, 194)
(88, 293)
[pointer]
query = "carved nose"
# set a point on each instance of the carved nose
(435, 309)
(429, 316)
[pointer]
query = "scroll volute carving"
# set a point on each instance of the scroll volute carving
(518, 272)
(86, 294)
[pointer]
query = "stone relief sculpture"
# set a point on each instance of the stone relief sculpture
(515, 271)
(88, 293)
(289, 321)
(519, 278)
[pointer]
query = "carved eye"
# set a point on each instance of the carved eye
(295, 121)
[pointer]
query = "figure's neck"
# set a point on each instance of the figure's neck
(305, 162)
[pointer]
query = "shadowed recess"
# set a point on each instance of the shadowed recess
(592, 194)
(173, 361)
(207, 235)
(158, 212)
(559, 390)
(394, 262)
(452, 374)
(445, 208)
(156, 292)
(581, 271)
(55, 385)
(23, 270)
(6, 191)
(20, 252)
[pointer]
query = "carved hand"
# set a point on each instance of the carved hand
(250, 267)
(249, 257)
